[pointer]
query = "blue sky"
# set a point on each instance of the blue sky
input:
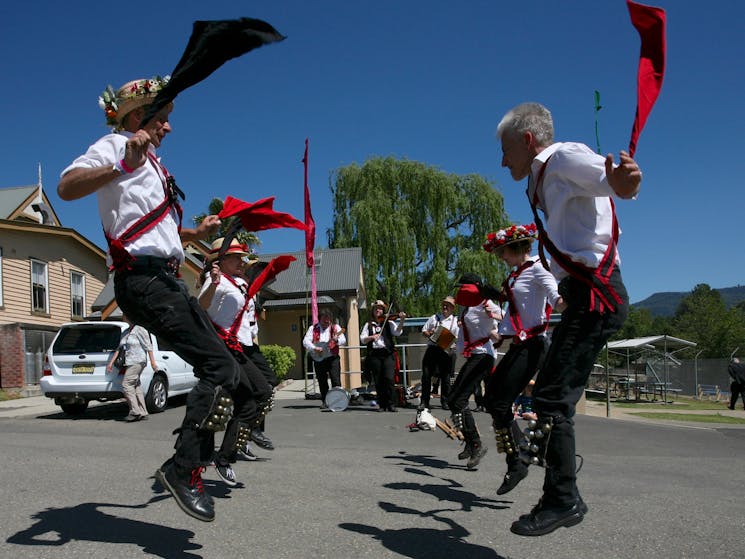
(425, 80)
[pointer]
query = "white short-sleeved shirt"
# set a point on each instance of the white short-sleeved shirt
(226, 303)
(129, 197)
(324, 336)
(576, 199)
(532, 289)
(479, 321)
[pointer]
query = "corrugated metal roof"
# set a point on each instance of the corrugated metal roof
(337, 269)
(11, 198)
(296, 302)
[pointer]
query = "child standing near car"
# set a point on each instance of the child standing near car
(137, 348)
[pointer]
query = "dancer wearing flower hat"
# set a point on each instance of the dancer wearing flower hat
(530, 292)
(138, 203)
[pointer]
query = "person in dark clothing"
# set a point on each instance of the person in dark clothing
(736, 372)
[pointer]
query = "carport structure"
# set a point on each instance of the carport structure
(648, 349)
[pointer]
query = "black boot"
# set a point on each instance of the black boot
(512, 478)
(466, 452)
(258, 436)
(478, 452)
(544, 519)
(188, 491)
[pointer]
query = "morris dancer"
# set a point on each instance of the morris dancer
(529, 291)
(322, 341)
(380, 359)
(573, 187)
(138, 205)
(225, 298)
(439, 362)
(478, 330)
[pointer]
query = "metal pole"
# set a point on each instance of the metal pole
(607, 383)
(695, 375)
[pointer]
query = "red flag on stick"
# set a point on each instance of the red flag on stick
(310, 225)
(650, 23)
(310, 239)
(275, 266)
(259, 215)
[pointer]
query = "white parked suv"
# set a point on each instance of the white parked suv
(75, 368)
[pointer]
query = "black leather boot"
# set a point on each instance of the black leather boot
(258, 436)
(188, 491)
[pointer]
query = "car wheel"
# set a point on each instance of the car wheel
(74, 409)
(156, 398)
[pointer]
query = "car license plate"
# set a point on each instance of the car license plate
(83, 369)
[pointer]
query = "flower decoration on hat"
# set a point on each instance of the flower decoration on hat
(116, 104)
(512, 234)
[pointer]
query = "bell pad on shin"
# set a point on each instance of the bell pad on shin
(244, 435)
(508, 438)
(533, 447)
(220, 411)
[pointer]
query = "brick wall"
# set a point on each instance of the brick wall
(12, 373)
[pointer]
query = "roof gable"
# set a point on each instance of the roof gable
(337, 270)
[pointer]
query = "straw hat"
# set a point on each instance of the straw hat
(137, 93)
(236, 247)
(378, 303)
(449, 300)
(512, 234)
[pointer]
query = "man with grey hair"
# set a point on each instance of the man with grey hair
(573, 187)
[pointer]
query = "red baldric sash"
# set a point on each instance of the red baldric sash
(120, 258)
(597, 279)
(469, 346)
(317, 337)
(230, 337)
(517, 324)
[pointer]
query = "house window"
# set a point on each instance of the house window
(1, 276)
(77, 294)
(39, 287)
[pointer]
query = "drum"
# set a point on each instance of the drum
(442, 337)
(337, 399)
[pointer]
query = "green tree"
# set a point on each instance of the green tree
(243, 236)
(702, 317)
(419, 228)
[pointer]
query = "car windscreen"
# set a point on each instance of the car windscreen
(96, 339)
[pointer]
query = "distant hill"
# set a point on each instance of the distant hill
(666, 303)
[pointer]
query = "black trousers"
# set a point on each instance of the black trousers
(575, 345)
(471, 374)
(153, 298)
(252, 392)
(437, 363)
(382, 365)
(511, 376)
(329, 368)
(736, 389)
(257, 358)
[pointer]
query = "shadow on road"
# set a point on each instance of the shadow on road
(85, 522)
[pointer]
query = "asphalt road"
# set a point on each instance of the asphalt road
(359, 484)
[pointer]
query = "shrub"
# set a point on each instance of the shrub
(280, 359)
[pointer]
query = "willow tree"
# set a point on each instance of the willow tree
(419, 228)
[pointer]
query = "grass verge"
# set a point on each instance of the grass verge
(692, 417)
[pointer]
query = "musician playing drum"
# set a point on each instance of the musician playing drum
(441, 330)
(322, 341)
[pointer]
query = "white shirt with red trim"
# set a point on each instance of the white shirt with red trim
(324, 336)
(227, 302)
(575, 198)
(479, 321)
(532, 289)
(131, 196)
